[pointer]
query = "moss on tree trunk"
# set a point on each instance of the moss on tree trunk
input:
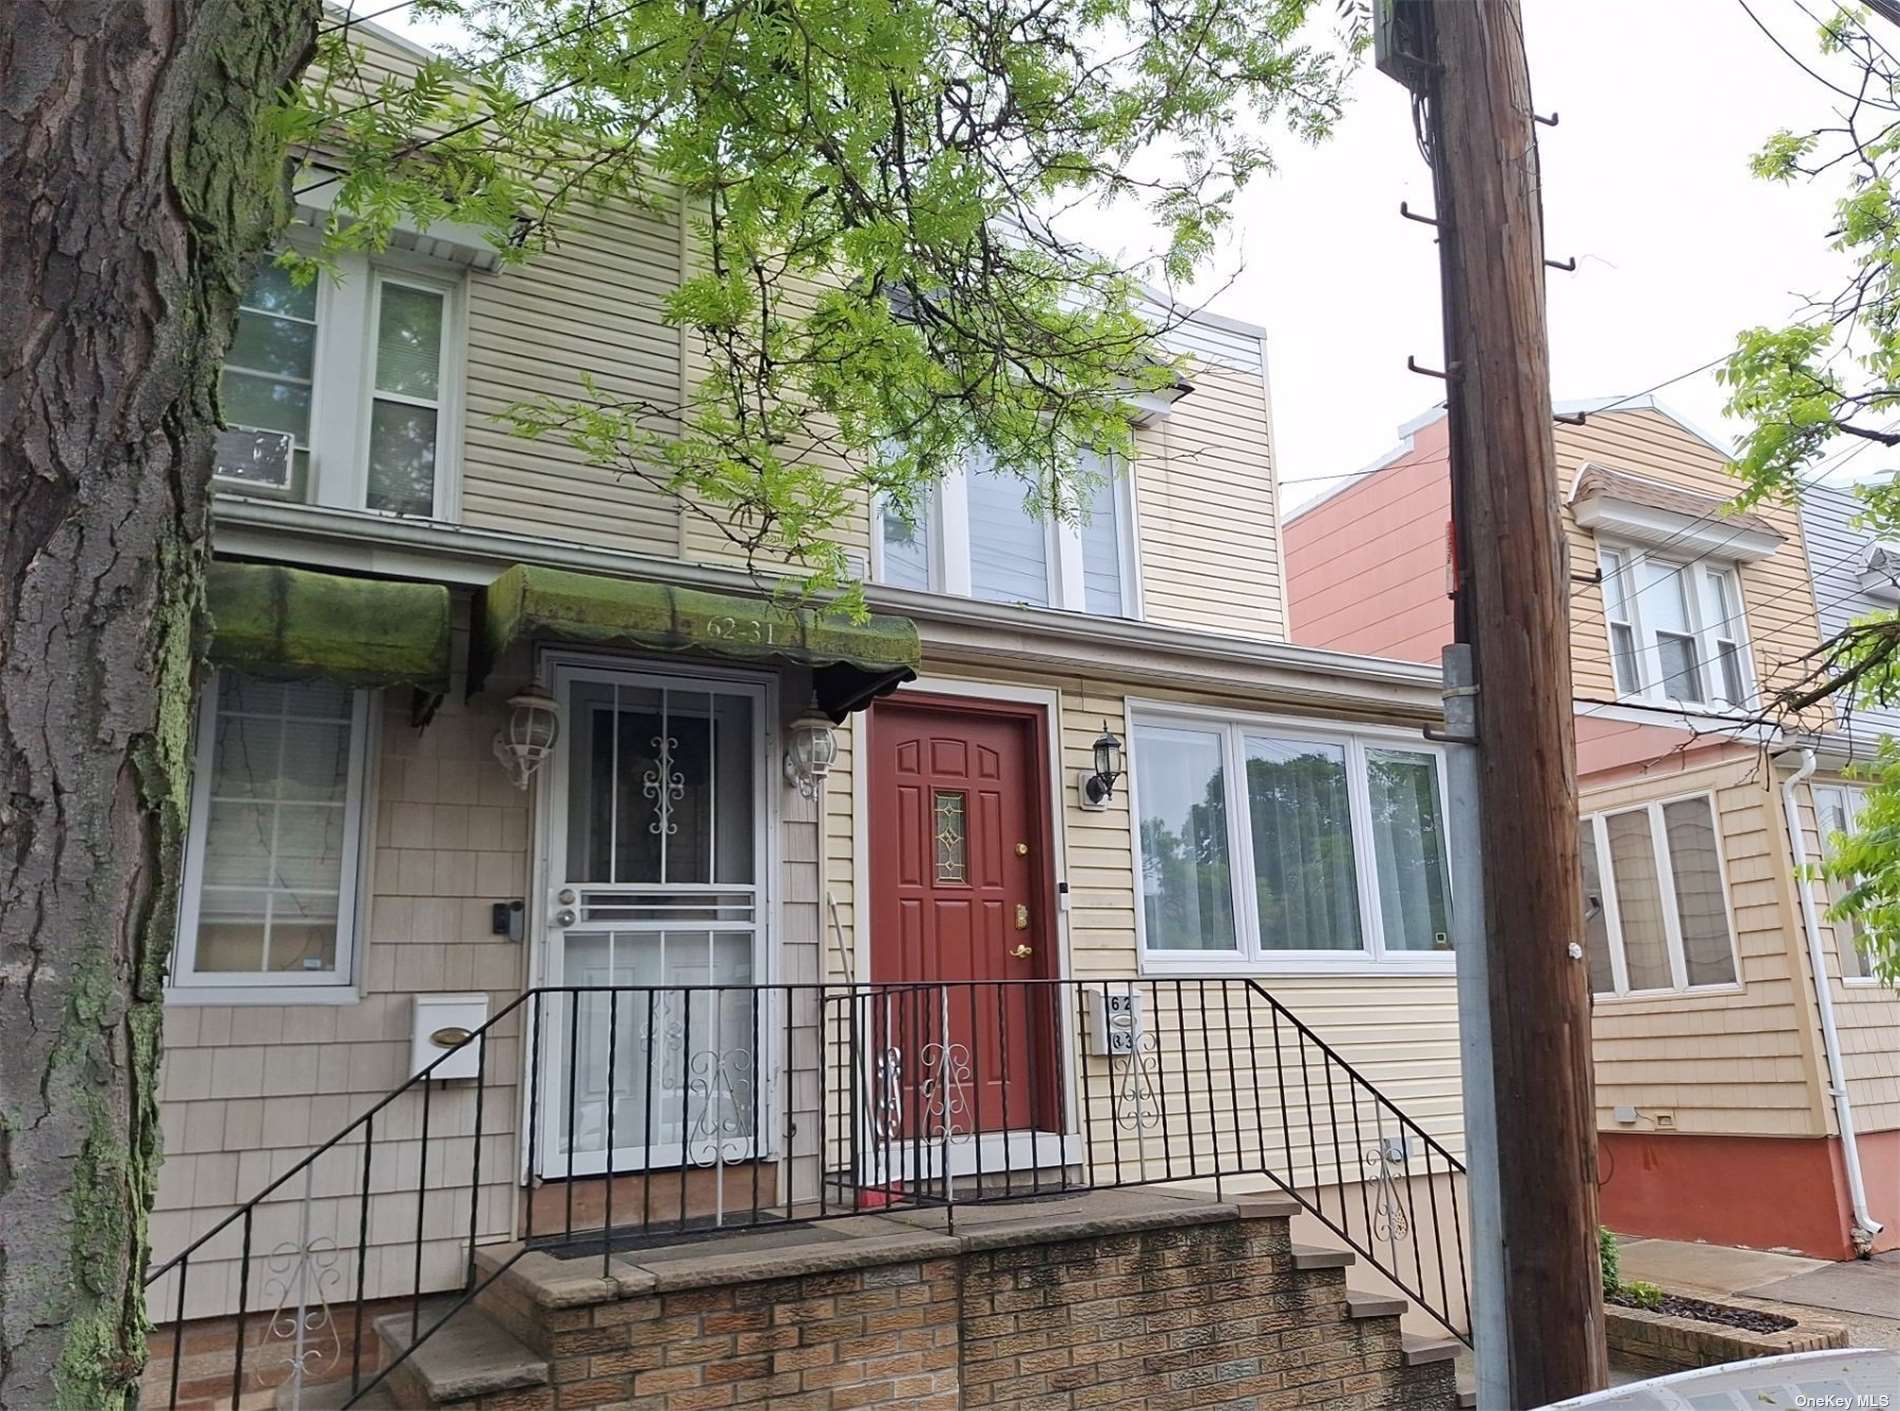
(138, 184)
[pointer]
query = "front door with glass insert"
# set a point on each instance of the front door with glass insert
(655, 865)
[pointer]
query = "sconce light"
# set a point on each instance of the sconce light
(811, 748)
(534, 724)
(1097, 785)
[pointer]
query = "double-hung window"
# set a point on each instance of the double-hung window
(1655, 899)
(1263, 842)
(1675, 629)
(276, 828)
(974, 536)
(1837, 811)
(344, 391)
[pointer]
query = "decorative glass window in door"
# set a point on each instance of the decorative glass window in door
(663, 842)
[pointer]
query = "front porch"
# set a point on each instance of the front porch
(706, 1124)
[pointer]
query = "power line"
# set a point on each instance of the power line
(352, 18)
(1795, 59)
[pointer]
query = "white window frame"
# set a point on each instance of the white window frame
(947, 546)
(1851, 797)
(185, 984)
(1708, 636)
(343, 383)
(1250, 956)
(1594, 832)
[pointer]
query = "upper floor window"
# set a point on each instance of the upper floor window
(1676, 629)
(344, 391)
(1262, 840)
(1655, 900)
(276, 822)
(974, 536)
(1837, 810)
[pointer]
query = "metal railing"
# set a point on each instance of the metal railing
(655, 1113)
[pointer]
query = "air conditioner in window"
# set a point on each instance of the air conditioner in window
(258, 460)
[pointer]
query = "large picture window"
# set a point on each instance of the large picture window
(276, 821)
(1675, 629)
(1267, 843)
(1655, 900)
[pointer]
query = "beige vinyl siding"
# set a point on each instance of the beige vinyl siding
(1400, 1031)
(246, 1091)
(1777, 595)
(1205, 497)
(1866, 1013)
(1731, 1060)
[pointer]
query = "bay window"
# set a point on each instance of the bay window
(1267, 843)
(275, 829)
(1675, 629)
(974, 536)
(1655, 899)
(345, 391)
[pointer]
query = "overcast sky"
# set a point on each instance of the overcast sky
(1646, 182)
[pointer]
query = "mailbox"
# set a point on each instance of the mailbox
(442, 1022)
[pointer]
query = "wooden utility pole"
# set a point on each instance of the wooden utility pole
(1513, 609)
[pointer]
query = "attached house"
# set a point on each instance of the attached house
(548, 880)
(1744, 1069)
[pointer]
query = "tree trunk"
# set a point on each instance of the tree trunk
(138, 184)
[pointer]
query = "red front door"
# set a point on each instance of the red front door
(959, 884)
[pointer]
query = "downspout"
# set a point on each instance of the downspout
(1865, 1226)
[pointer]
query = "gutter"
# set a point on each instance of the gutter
(1865, 1226)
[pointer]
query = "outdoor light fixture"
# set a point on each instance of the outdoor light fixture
(534, 724)
(811, 747)
(1097, 786)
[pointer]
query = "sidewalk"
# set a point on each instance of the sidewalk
(1862, 1294)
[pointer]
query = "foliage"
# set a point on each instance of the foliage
(1643, 1294)
(1610, 1257)
(1832, 379)
(876, 192)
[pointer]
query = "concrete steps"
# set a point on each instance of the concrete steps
(470, 1358)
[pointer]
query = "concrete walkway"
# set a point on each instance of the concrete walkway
(1862, 1294)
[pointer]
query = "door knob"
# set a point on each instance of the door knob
(1023, 952)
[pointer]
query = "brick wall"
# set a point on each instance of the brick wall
(1207, 1314)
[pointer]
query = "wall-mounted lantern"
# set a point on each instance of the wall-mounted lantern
(810, 750)
(534, 724)
(1097, 786)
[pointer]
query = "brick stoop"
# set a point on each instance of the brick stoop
(1140, 1301)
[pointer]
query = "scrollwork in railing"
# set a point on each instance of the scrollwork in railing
(300, 1275)
(721, 1081)
(1137, 1099)
(1385, 1165)
(945, 1091)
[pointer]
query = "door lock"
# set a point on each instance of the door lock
(567, 896)
(1023, 952)
(1022, 849)
(1022, 917)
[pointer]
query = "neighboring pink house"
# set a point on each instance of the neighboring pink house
(1733, 1029)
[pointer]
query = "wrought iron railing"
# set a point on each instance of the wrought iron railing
(646, 1113)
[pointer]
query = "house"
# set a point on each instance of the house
(1744, 1071)
(552, 886)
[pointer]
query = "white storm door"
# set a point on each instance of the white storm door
(652, 1021)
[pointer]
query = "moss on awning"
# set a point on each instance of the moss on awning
(851, 662)
(289, 622)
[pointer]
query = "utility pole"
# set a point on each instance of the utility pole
(1512, 610)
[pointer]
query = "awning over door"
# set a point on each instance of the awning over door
(289, 622)
(851, 662)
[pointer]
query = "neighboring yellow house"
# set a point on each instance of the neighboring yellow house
(1066, 869)
(1725, 1080)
